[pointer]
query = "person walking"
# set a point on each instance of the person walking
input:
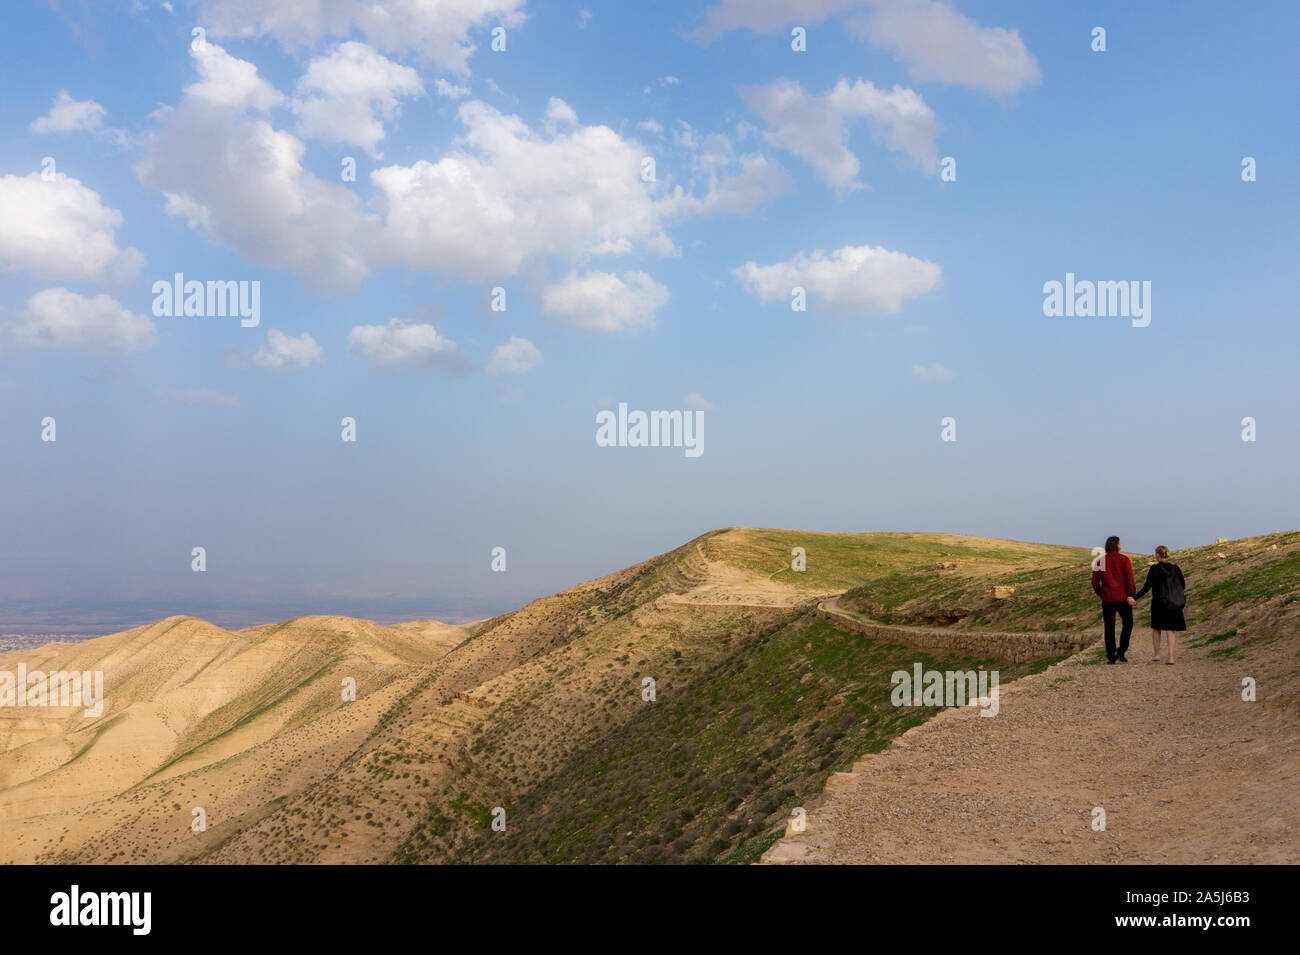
(1112, 580)
(1168, 598)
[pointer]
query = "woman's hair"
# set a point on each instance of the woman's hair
(1112, 544)
(1162, 552)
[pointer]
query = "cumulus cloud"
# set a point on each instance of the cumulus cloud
(502, 194)
(68, 115)
(402, 345)
(932, 372)
(58, 318)
(240, 181)
(559, 115)
(604, 302)
(505, 193)
(940, 44)
(815, 127)
(932, 38)
(285, 351)
(437, 30)
(514, 357)
(205, 397)
(851, 279)
(349, 96)
(59, 228)
(230, 83)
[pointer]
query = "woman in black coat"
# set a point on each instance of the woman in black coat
(1165, 581)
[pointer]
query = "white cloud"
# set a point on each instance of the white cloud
(756, 179)
(284, 351)
(933, 39)
(348, 96)
(505, 193)
(603, 302)
(899, 117)
(206, 397)
(230, 83)
(450, 90)
(719, 181)
(405, 346)
(766, 16)
(815, 128)
(241, 182)
(696, 402)
(932, 372)
(939, 44)
(664, 82)
(852, 279)
(58, 318)
(68, 115)
(559, 115)
(59, 228)
(437, 30)
(514, 357)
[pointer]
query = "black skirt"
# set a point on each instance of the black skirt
(1159, 577)
(1162, 619)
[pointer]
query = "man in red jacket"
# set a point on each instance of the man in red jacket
(1112, 579)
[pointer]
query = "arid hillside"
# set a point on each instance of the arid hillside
(192, 716)
(673, 711)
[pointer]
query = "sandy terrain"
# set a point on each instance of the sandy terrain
(193, 716)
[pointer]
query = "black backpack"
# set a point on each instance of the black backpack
(1173, 597)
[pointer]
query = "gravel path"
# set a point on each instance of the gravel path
(1185, 771)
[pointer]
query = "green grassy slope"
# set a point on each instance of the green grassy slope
(842, 561)
(1060, 597)
(710, 774)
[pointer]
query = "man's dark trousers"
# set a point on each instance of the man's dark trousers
(1125, 610)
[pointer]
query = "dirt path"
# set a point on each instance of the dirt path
(720, 584)
(1185, 771)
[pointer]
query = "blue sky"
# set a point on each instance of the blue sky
(520, 169)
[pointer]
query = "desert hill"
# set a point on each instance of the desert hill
(184, 698)
(766, 682)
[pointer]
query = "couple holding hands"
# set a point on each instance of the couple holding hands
(1112, 580)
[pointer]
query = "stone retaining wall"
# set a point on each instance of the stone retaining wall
(1012, 647)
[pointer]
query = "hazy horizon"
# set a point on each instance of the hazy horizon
(19, 617)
